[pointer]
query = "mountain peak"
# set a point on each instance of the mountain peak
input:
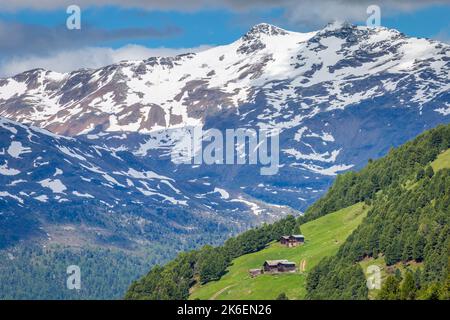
(264, 29)
(337, 25)
(253, 40)
(342, 30)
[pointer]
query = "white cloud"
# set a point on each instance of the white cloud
(90, 57)
(316, 13)
(300, 6)
(304, 13)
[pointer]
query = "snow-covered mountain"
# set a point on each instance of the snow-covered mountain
(298, 75)
(339, 96)
(43, 174)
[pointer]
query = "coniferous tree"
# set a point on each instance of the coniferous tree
(420, 174)
(282, 296)
(390, 289)
(408, 287)
(429, 172)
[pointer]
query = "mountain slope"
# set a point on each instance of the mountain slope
(66, 201)
(398, 167)
(414, 240)
(55, 180)
(339, 96)
(407, 222)
(323, 238)
(157, 93)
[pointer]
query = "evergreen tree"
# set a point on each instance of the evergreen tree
(421, 174)
(390, 289)
(431, 292)
(282, 296)
(408, 287)
(429, 172)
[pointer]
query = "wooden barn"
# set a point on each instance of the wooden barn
(292, 240)
(278, 266)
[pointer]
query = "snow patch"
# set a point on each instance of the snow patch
(7, 194)
(223, 193)
(83, 195)
(42, 198)
(4, 170)
(16, 149)
(55, 185)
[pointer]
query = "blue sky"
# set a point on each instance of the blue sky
(33, 36)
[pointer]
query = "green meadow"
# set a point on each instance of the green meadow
(322, 238)
(442, 161)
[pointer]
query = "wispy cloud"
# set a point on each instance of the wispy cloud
(89, 57)
(72, 49)
(443, 35)
(28, 38)
(304, 11)
(313, 14)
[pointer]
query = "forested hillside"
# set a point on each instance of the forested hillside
(397, 167)
(408, 222)
(174, 280)
(34, 272)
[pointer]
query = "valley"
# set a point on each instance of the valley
(87, 156)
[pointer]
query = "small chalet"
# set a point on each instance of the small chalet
(292, 240)
(278, 266)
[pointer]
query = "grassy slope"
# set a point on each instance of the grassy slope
(441, 162)
(323, 238)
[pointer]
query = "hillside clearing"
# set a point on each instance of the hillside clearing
(442, 161)
(323, 238)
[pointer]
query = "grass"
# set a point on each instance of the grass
(442, 161)
(385, 270)
(323, 238)
(379, 262)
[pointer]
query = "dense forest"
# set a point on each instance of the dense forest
(397, 167)
(113, 252)
(408, 221)
(405, 224)
(35, 272)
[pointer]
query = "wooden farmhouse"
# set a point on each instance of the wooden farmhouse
(292, 240)
(278, 266)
